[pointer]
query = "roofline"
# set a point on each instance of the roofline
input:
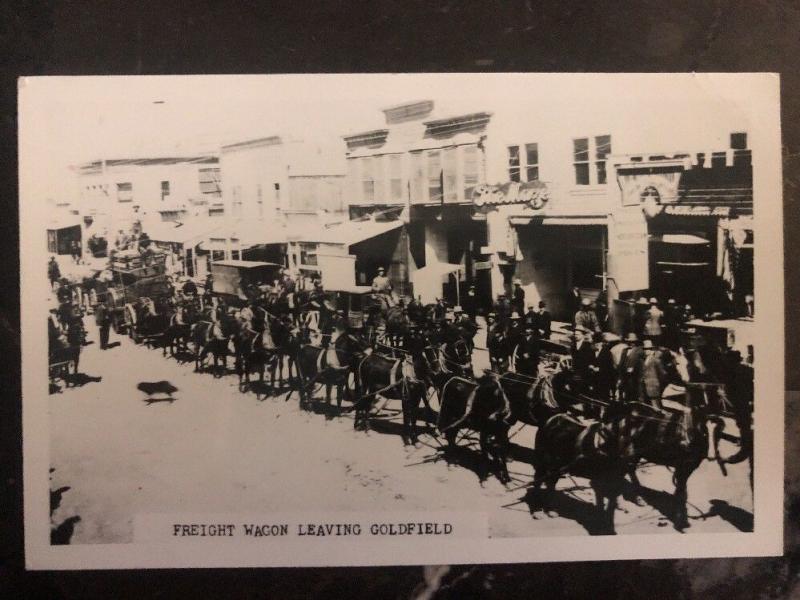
(273, 140)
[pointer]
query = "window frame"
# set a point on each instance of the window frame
(512, 157)
(531, 165)
(592, 159)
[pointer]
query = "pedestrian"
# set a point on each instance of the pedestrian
(671, 325)
(652, 374)
(527, 353)
(582, 359)
(585, 317)
(653, 324)
(544, 321)
(630, 368)
(518, 297)
(53, 272)
(603, 371)
(515, 329)
(532, 318)
(103, 318)
(76, 251)
(640, 309)
(502, 308)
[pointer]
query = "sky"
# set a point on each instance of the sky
(69, 120)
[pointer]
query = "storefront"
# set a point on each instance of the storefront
(61, 233)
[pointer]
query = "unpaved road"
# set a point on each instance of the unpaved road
(216, 450)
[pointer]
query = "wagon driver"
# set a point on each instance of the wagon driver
(381, 283)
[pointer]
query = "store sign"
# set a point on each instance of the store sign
(628, 266)
(698, 211)
(533, 193)
(649, 188)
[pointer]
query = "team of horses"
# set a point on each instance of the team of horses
(368, 371)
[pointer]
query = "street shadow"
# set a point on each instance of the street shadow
(61, 535)
(80, 379)
(664, 502)
(55, 388)
(113, 345)
(183, 357)
(738, 517)
(157, 391)
(566, 506)
(396, 428)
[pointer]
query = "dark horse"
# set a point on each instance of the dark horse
(482, 406)
(680, 439)
(392, 378)
(329, 366)
(255, 351)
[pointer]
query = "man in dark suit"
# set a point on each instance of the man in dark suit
(604, 376)
(527, 353)
(582, 359)
(544, 321)
(518, 297)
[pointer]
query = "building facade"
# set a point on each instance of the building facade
(115, 193)
(488, 198)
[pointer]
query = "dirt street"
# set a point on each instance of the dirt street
(212, 449)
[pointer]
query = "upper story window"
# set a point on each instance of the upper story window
(513, 163)
(589, 159)
(418, 177)
(164, 189)
(471, 170)
(259, 200)
(450, 174)
(125, 192)
(739, 140)
(395, 177)
(236, 201)
(531, 162)
(434, 176)
(367, 179)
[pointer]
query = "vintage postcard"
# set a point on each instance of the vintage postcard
(400, 319)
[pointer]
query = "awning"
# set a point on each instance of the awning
(683, 239)
(64, 222)
(349, 232)
(439, 269)
(564, 220)
(186, 233)
(256, 233)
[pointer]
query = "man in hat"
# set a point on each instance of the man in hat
(653, 326)
(471, 303)
(582, 358)
(53, 272)
(527, 353)
(640, 315)
(103, 320)
(518, 297)
(586, 318)
(630, 366)
(502, 308)
(574, 302)
(381, 283)
(515, 329)
(496, 343)
(544, 320)
(653, 374)
(604, 376)
(467, 328)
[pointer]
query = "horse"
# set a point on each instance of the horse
(392, 378)
(255, 350)
(456, 354)
(681, 440)
(567, 445)
(211, 337)
(329, 366)
(483, 406)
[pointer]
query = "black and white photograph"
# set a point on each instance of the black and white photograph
(373, 319)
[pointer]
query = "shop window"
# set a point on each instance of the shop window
(125, 192)
(513, 163)
(367, 180)
(434, 176)
(470, 169)
(217, 255)
(308, 254)
(450, 174)
(739, 140)
(580, 153)
(531, 162)
(164, 190)
(235, 254)
(587, 268)
(395, 177)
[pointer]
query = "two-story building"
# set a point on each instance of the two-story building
(115, 193)
(513, 193)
